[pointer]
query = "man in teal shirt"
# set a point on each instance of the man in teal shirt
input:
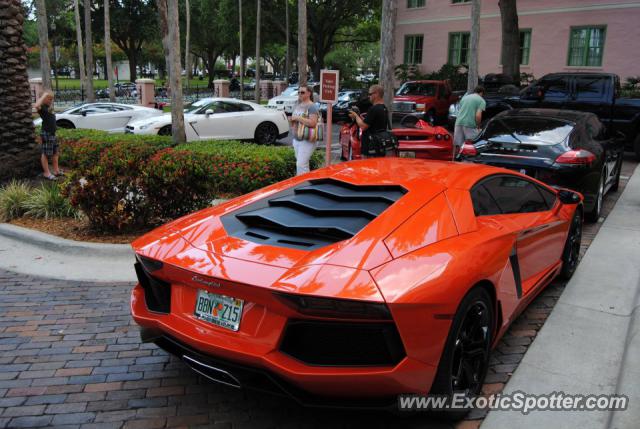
(469, 118)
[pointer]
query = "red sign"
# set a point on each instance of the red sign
(329, 82)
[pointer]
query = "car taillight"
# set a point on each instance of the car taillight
(576, 157)
(447, 136)
(438, 136)
(468, 149)
(335, 308)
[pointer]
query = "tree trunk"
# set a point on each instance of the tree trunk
(241, 52)
(132, 56)
(302, 42)
(164, 32)
(43, 38)
(187, 48)
(91, 96)
(19, 153)
(107, 51)
(257, 92)
(472, 80)
(387, 51)
(287, 63)
(177, 106)
(83, 73)
(510, 39)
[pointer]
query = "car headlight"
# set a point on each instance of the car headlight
(420, 107)
(147, 125)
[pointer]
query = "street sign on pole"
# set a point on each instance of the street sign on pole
(329, 85)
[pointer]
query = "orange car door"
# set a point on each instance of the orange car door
(538, 231)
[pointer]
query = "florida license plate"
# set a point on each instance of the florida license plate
(220, 310)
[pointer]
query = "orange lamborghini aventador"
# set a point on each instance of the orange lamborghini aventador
(357, 282)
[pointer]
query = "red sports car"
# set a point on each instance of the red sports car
(357, 282)
(416, 139)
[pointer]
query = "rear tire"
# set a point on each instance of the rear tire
(616, 182)
(266, 133)
(571, 252)
(465, 359)
(594, 214)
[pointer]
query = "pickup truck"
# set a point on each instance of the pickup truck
(431, 98)
(597, 93)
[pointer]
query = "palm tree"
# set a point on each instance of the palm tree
(107, 50)
(83, 74)
(91, 97)
(472, 80)
(241, 53)
(164, 31)
(187, 53)
(177, 105)
(18, 150)
(257, 96)
(43, 38)
(287, 62)
(510, 39)
(387, 50)
(302, 42)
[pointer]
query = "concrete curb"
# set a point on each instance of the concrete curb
(53, 243)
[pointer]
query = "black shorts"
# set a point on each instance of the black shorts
(49, 143)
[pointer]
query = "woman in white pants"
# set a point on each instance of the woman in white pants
(304, 112)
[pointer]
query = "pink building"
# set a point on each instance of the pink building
(555, 35)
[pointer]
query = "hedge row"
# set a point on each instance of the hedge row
(126, 182)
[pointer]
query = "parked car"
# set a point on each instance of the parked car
(221, 118)
(416, 139)
(289, 97)
(597, 93)
(347, 99)
(355, 283)
(111, 117)
(430, 98)
(559, 147)
(125, 89)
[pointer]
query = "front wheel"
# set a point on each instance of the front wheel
(165, 131)
(465, 359)
(63, 123)
(571, 252)
(266, 133)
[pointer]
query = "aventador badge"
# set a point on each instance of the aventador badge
(202, 281)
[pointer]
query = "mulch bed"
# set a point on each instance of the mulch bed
(75, 229)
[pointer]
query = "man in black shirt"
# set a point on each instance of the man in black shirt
(376, 120)
(44, 106)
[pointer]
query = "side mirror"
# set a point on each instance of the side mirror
(568, 197)
(208, 112)
(84, 113)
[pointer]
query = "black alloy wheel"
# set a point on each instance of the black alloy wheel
(636, 147)
(571, 252)
(165, 131)
(465, 359)
(266, 133)
(594, 214)
(616, 181)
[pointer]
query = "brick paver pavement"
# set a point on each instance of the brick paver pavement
(70, 356)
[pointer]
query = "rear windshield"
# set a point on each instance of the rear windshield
(527, 130)
(417, 88)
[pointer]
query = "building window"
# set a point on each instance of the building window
(460, 1)
(413, 49)
(586, 46)
(415, 3)
(525, 46)
(459, 48)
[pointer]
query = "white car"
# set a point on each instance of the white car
(221, 118)
(111, 117)
(288, 99)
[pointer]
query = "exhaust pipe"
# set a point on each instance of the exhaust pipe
(212, 373)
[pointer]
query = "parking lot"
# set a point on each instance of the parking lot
(70, 356)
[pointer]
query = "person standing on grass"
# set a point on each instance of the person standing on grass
(44, 107)
(304, 112)
(469, 118)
